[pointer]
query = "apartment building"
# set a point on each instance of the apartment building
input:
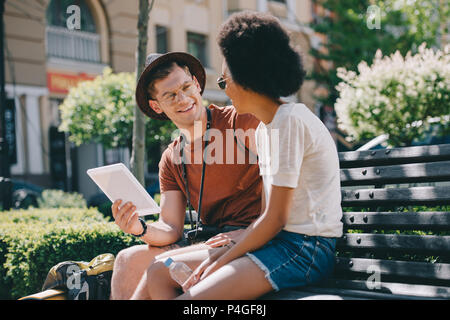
(47, 53)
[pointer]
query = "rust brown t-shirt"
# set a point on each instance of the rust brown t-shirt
(232, 184)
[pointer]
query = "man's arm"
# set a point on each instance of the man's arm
(167, 230)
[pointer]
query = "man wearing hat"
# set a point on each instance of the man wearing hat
(226, 191)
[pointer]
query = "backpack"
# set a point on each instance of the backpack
(82, 280)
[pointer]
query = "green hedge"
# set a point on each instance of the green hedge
(32, 241)
(53, 198)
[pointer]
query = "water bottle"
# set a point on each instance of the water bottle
(179, 271)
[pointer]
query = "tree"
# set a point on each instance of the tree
(353, 36)
(138, 150)
(397, 96)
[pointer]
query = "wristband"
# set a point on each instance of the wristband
(230, 244)
(144, 225)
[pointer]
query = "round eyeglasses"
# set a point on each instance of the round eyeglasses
(188, 89)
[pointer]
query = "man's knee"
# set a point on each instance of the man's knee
(141, 255)
(136, 257)
(124, 257)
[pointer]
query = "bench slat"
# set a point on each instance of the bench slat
(430, 220)
(423, 270)
(392, 288)
(302, 294)
(352, 159)
(439, 245)
(396, 196)
(351, 294)
(406, 173)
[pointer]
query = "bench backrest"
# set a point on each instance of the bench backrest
(391, 243)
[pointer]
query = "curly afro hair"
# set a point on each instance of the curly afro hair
(259, 56)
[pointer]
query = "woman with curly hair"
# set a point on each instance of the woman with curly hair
(292, 243)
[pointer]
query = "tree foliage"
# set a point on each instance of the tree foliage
(352, 34)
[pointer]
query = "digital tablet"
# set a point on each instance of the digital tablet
(117, 182)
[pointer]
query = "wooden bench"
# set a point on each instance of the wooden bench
(391, 249)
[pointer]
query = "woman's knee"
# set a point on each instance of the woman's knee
(158, 277)
(156, 269)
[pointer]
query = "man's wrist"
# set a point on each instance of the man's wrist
(144, 229)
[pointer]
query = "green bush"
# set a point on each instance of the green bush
(59, 199)
(49, 216)
(32, 241)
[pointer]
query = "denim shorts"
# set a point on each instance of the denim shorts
(292, 259)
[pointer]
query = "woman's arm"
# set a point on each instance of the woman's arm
(265, 227)
(225, 238)
(255, 236)
(263, 200)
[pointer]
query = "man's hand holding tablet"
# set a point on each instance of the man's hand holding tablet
(130, 199)
(127, 218)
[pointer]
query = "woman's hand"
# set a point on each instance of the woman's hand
(207, 267)
(223, 239)
(210, 265)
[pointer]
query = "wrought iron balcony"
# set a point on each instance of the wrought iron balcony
(72, 44)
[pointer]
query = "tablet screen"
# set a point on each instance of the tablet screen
(117, 182)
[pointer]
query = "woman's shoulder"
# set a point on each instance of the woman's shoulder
(294, 109)
(288, 112)
(297, 113)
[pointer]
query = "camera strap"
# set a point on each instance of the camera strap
(183, 166)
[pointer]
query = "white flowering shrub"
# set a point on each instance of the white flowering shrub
(395, 95)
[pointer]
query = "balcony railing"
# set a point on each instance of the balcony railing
(73, 45)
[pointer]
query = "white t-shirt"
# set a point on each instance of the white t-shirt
(296, 150)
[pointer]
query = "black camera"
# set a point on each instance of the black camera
(204, 232)
(201, 233)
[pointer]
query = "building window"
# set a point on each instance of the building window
(162, 39)
(61, 42)
(197, 46)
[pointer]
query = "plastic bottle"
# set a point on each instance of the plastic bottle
(179, 271)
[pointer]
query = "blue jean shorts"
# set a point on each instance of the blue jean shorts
(293, 259)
